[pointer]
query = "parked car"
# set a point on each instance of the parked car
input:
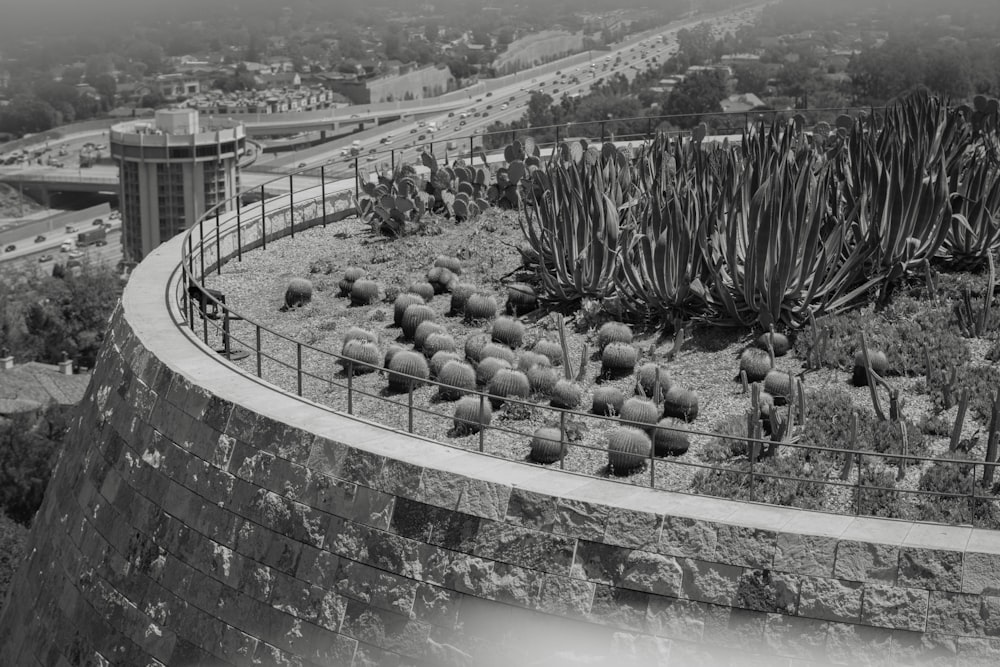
(39, 238)
(44, 258)
(10, 248)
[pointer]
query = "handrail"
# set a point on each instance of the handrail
(209, 245)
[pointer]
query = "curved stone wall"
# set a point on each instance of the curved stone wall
(198, 517)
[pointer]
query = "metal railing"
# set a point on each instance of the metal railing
(222, 236)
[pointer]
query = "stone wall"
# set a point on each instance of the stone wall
(199, 517)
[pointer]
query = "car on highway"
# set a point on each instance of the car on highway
(76, 254)
(10, 248)
(504, 106)
(413, 131)
(301, 164)
(512, 97)
(44, 258)
(489, 94)
(39, 238)
(421, 137)
(451, 114)
(461, 122)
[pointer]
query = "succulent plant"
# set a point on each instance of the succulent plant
(390, 213)
(498, 351)
(437, 342)
(680, 403)
(613, 332)
(298, 293)
(756, 363)
(670, 438)
(550, 349)
(780, 385)
(543, 379)
(413, 316)
(645, 380)
(618, 359)
(440, 359)
(628, 450)
(364, 292)
(480, 307)
(440, 279)
(393, 350)
(643, 411)
(474, 346)
(407, 363)
(448, 262)
(423, 331)
(471, 415)
(365, 352)
(403, 300)
(457, 378)
(527, 359)
(489, 367)
(507, 382)
(778, 341)
(546, 445)
(357, 333)
(508, 331)
(460, 293)
(424, 289)
(607, 401)
(351, 274)
(566, 394)
(521, 298)
(879, 362)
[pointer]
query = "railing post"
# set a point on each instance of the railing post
(649, 128)
(239, 230)
(291, 204)
(322, 189)
(472, 150)
(259, 352)
(263, 225)
(562, 439)
(752, 450)
(482, 427)
(857, 495)
(392, 160)
(972, 495)
(652, 462)
(201, 249)
(298, 367)
(602, 131)
(187, 283)
(350, 387)
(357, 180)
(409, 407)
(557, 135)
(218, 246)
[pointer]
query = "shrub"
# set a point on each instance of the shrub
(618, 359)
(543, 379)
(508, 383)
(521, 298)
(756, 363)
(403, 300)
(877, 495)
(480, 307)
(640, 410)
(298, 293)
(508, 331)
(412, 317)
(807, 492)
(613, 332)
(437, 342)
(628, 450)
(646, 380)
(550, 349)
(460, 293)
(364, 292)
(471, 415)
(424, 331)
(607, 401)
(424, 289)
(474, 346)
(670, 438)
(448, 262)
(956, 482)
(680, 403)
(363, 351)
(456, 378)
(498, 351)
(546, 445)
(488, 367)
(407, 363)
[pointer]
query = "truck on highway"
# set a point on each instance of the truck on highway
(95, 236)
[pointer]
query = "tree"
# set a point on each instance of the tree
(948, 71)
(539, 111)
(27, 114)
(751, 79)
(26, 459)
(13, 542)
(431, 30)
(878, 74)
(698, 94)
(695, 45)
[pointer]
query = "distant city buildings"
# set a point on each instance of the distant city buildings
(172, 170)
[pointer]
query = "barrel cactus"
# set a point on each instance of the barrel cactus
(543, 379)
(642, 411)
(756, 363)
(547, 445)
(646, 380)
(566, 394)
(423, 332)
(424, 289)
(613, 332)
(448, 262)
(780, 385)
(618, 359)
(508, 331)
(607, 401)
(498, 351)
(393, 350)
(457, 378)
(779, 342)
(357, 333)
(879, 362)
(361, 355)
(440, 359)
(480, 307)
(474, 346)
(437, 342)
(351, 274)
(413, 316)
(298, 293)
(404, 299)
(489, 367)
(471, 415)
(508, 383)
(670, 438)
(521, 298)
(440, 279)
(460, 293)
(527, 359)
(550, 349)
(364, 292)
(628, 450)
(407, 363)
(680, 403)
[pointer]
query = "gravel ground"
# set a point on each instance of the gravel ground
(486, 247)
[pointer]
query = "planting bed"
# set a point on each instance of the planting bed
(707, 364)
